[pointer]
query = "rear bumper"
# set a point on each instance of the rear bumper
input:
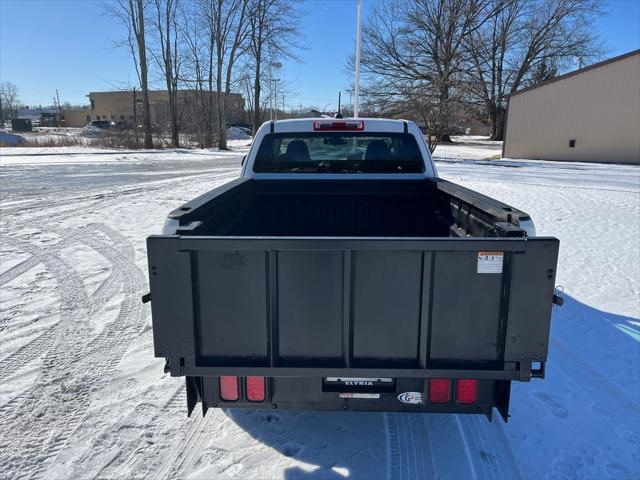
(310, 393)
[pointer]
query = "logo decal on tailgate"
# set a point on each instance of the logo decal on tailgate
(410, 397)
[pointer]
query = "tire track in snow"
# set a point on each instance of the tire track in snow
(40, 407)
(393, 446)
(38, 346)
(166, 459)
(141, 455)
(181, 458)
(27, 354)
(110, 345)
(53, 409)
(73, 369)
(480, 450)
(409, 452)
(488, 450)
(104, 199)
(105, 291)
(17, 270)
(73, 303)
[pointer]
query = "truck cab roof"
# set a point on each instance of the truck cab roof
(307, 124)
(334, 148)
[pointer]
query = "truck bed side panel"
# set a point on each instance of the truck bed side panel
(310, 306)
(466, 309)
(172, 305)
(530, 302)
(387, 292)
(233, 305)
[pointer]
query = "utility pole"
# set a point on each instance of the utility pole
(135, 115)
(58, 99)
(357, 86)
(273, 98)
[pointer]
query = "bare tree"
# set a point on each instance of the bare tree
(166, 23)
(8, 101)
(131, 13)
(227, 24)
(422, 106)
(526, 42)
(420, 46)
(194, 72)
(274, 35)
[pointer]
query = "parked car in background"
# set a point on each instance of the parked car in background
(103, 124)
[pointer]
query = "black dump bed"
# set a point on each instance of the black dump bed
(340, 208)
(325, 209)
(353, 278)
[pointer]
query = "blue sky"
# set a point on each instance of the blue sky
(69, 45)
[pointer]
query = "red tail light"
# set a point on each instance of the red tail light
(229, 388)
(339, 125)
(439, 390)
(466, 391)
(255, 389)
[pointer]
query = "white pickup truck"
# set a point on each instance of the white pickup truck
(340, 273)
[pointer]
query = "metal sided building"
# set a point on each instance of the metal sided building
(589, 115)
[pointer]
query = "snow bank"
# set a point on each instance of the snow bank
(235, 133)
(90, 131)
(82, 154)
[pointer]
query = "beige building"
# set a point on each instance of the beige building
(590, 115)
(75, 117)
(118, 106)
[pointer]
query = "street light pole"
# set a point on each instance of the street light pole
(273, 99)
(357, 86)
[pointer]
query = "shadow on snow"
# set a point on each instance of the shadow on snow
(336, 445)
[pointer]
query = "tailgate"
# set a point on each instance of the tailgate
(357, 307)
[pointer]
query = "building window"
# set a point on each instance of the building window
(93, 105)
(113, 117)
(130, 117)
(572, 143)
(98, 117)
(88, 118)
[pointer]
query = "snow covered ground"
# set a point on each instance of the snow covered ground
(83, 397)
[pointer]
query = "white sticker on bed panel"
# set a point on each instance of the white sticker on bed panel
(359, 395)
(490, 262)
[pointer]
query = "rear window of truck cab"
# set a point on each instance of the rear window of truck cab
(339, 152)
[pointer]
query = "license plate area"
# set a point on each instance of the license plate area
(358, 385)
